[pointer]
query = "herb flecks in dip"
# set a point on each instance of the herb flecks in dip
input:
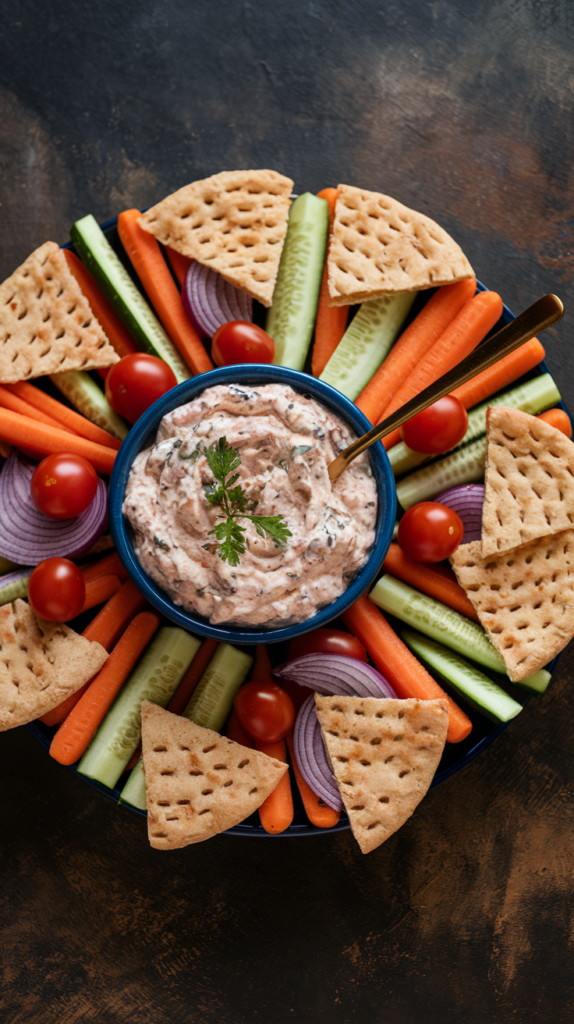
(286, 442)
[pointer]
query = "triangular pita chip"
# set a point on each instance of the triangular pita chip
(46, 324)
(380, 247)
(234, 222)
(41, 663)
(198, 783)
(384, 754)
(523, 598)
(529, 480)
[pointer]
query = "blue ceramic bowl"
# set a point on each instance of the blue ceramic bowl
(142, 435)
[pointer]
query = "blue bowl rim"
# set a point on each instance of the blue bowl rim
(252, 373)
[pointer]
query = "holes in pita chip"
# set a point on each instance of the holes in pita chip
(182, 802)
(163, 803)
(207, 810)
(174, 817)
(207, 749)
(401, 714)
(389, 759)
(383, 799)
(373, 825)
(166, 772)
(220, 767)
(398, 737)
(343, 759)
(375, 742)
(228, 783)
(254, 790)
(403, 773)
(359, 712)
(158, 749)
(332, 732)
(22, 315)
(159, 835)
(206, 792)
(545, 625)
(380, 714)
(358, 807)
(354, 738)
(336, 707)
(184, 748)
(242, 764)
(194, 772)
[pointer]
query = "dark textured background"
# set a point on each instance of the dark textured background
(462, 110)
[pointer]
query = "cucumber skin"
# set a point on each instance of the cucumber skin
(110, 274)
(14, 590)
(83, 392)
(156, 677)
(291, 318)
(227, 669)
(456, 671)
(134, 790)
(464, 466)
(366, 343)
(536, 683)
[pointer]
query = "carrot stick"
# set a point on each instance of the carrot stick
(100, 590)
(558, 419)
(331, 321)
(110, 565)
(276, 812)
(179, 263)
(428, 581)
(413, 345)
(27, 433)
(67, 418)
(5, 450)
(261, 670)
(460, 338)
(235, 731)
(74, 735)
(148, 262)
(398, 665)
(501, 374)
(8, 400)
(317, 811)
(120, 338)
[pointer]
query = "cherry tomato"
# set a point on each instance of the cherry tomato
(265, 711)
(327, 641)
(138, 380)
(430, 532)
(558, 419)
(56, 590)
(437, 428)
(63, 486)
(241, 342)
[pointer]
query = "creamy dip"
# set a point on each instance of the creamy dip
(286, 442)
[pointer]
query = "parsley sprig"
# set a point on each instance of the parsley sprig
(223, 460)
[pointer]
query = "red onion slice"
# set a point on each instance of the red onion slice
(467, 501)
(27, 535)
(311, 756)
(210, 301)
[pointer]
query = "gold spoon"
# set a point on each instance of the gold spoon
(547, 311)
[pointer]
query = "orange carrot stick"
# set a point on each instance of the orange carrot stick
(179, 263)
(74, 735)
(317, 811)
(148, 262)
(27, 433)
(428, 581)
(398, 665)
(100, 590)
(331, 321)
(106, 628)
(235, 731)
(110, 565)
(8, 400)
(276, 812)
(120, 338)
(412, 346)
(459, 339)
(67, 418)
(558, 419)
(501, 374)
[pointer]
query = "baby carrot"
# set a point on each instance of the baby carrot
(74, 735)
(558, 419)
(67, 418)
(150, 266)
(110, 565)
(8, 400)
(276, 812)
(179, 263)
(331, 321)
(27, 433)
(100, 590)
(426, 579)
(395, 662)
(412, 345)
(317, 811)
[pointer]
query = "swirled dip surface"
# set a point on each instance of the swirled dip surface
(286, 442)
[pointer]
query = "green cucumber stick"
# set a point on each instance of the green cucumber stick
(11, 591)
(133, 310)
(366, 343)
(462, 466)
(89, 399)
(291, 318)
(156, 677)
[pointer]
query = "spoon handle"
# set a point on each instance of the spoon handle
(546, 311)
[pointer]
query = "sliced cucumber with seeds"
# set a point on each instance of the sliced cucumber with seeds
(366, 342)
(210, 707)
(156, 677)
(82, 392)
(470, 684)
(111, 275)
(463, 466)
(536, 683)
(291, 318)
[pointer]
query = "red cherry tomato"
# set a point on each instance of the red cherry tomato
(63, 486)
(241, 342)
(327, 641)
(56, 590)
(430, 532)
(438, 428)
(265, 711)
(138, 380)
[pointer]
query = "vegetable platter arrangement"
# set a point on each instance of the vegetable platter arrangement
(348, 724)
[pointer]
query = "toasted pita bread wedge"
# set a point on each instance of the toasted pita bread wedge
(46, 324)
(524, 598)
(41, 663)
(198, 783)
(234, 222)
(380, 247)
(529, 480)
(384, 754)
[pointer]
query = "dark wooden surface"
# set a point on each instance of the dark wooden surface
(462, 110)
